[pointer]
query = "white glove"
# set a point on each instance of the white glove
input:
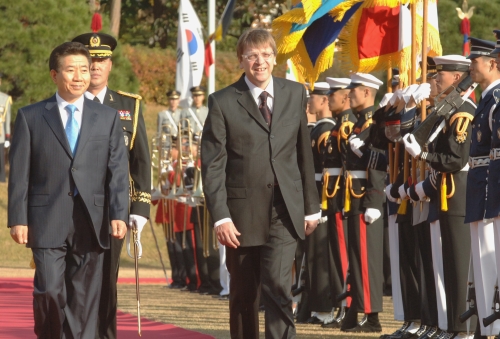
(408, 92)
(138, 221)
(411, 145)
(408, 194)
(371, 215)
(419, 189)
(402, 192)
(395, 97)
(388, 194)
(6, 144)
(356, 143)
(385, 99)
(422, 92)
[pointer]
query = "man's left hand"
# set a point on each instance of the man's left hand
(310, 226)
(6, 144)
(119, 229)
(411, 145)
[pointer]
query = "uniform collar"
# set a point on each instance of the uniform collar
(487, 89)
(99, 95)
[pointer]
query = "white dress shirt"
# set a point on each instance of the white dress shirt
(99, 95)
(256, 91)
(61, 103)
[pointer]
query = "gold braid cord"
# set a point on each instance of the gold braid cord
(351, 189)
(367, 123)
(462, 124)
(141, 197)
(138, 99)
(326, 178)
(323, 139)
(344, 131)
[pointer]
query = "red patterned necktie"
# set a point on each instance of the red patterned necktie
(266, 113)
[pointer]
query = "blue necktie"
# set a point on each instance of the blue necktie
(72, 129)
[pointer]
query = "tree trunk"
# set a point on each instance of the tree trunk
(115, 16)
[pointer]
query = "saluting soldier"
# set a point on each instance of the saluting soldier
(366, 169)
(129, 108)
(171, 115)
(5, 111)
(483, 70)
(197, 113)
(316, 245)
(333, 189)
(450, 235)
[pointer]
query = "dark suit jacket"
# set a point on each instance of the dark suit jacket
(241, 156)
(43, 172)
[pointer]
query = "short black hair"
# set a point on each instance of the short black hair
(65, 49)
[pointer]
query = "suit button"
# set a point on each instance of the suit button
(272, 136)
(70, 194)
(273, 160)
(269, 185)
(72, 169)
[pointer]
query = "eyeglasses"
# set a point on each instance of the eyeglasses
(254, 56)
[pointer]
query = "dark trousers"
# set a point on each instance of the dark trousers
(189, 257)
(2, 162)
(337, 236)
(267, 269)
(427, 286)
(176, 263)
(67, 283)
(365, 263)
(109, 300)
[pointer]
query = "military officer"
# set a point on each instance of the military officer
(5, 111)
(129, 108)
(450, 236)
(483, 70)
(197, 113)
(333, 189)
(316, 245)
(171, 115)
(365, 174)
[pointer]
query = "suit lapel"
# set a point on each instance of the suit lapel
(279, 104)
(53, 118)
(89, 118)
(247, 101)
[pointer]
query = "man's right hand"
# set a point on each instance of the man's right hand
(19, 233)
(226, 234)
(119, 229)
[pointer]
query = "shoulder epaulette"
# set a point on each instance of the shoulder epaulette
(132, 95)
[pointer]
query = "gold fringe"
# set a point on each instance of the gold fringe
(310, 6)
(338, 12)
(304, 65)
(386, 3)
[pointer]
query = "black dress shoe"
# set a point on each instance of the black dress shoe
(431, 333)
(176, 285)
(396, 333)
(313, 321)
(224, 297)
(365, 327)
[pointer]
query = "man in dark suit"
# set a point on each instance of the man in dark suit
(128, 105)
(258, 179)
(68, 178)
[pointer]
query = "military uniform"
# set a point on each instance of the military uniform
(482, 233)
(129, 109)
(450, 236)
(196, 115)
(169, 117)
(5, 112)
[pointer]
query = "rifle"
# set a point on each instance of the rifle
(471, 297)
(343, 298)
(445, 108)
(496, 309)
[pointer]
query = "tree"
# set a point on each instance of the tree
(29, 33)
(115, 17)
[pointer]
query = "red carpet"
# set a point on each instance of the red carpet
(16, 317)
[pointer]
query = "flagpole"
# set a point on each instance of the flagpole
(211, 28)
(423, 114)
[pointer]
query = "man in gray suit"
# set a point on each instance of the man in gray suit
(68, 178)
(258, 179)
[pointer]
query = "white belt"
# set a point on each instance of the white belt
(495, 154)
(318, 176)
(357, 174)
(332, 170)
(465, 169)
(479, 161)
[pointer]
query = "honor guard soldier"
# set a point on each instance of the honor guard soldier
(316, 245)
(483, 70)
(171, 115)
(492, 201)
(5, 111)
(332, 197)
(197, 113)
(450, 236)
(365, 173)
(129, 108)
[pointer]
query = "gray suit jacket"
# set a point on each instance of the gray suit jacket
(241, 156)
(44, 173)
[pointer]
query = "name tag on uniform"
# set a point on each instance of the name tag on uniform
(125, 115)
